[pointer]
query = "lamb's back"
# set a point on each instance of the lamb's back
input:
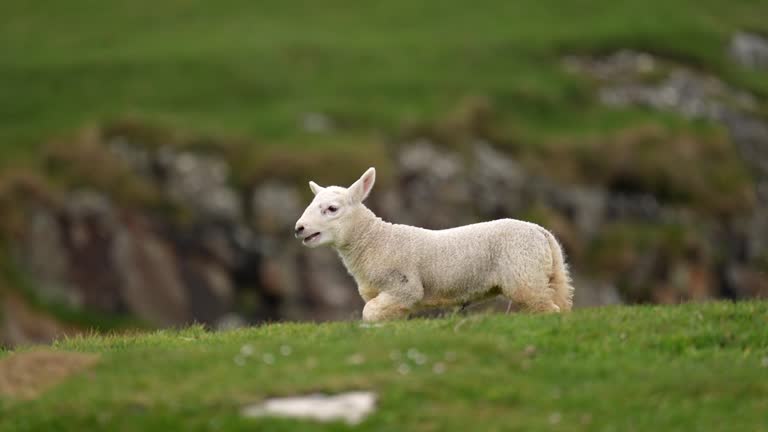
(468, 249)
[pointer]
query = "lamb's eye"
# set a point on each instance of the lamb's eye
(332, 209)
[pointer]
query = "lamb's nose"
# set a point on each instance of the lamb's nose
(299, 229)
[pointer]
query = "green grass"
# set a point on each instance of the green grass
(254, 68)
(692, 367)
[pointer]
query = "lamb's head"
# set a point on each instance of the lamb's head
(332, 210)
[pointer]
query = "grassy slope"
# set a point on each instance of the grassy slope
(253, 68)
(693, 367)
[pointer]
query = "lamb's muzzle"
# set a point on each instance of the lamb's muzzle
(400, 268)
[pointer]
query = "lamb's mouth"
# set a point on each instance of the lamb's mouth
(311, 237)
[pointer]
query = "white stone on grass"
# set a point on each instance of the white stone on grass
(350, 407)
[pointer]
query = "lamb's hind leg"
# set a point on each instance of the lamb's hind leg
(533, 295)
(385, 307)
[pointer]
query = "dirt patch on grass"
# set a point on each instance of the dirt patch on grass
(27, 375)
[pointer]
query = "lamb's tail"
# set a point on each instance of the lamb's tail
(560, 281)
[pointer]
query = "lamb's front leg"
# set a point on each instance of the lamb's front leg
(385, 307)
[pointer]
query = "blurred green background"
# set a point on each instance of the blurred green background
(252, 69)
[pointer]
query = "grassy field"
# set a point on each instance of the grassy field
(692, 367)
(253, 69)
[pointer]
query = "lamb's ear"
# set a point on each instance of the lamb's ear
(360, 189)
(316, 188)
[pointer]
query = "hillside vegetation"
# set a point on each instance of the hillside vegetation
(692, 367)
(255, 69)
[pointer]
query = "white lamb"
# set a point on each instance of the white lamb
(401, 268)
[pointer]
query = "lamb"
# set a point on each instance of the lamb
(400, 269)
